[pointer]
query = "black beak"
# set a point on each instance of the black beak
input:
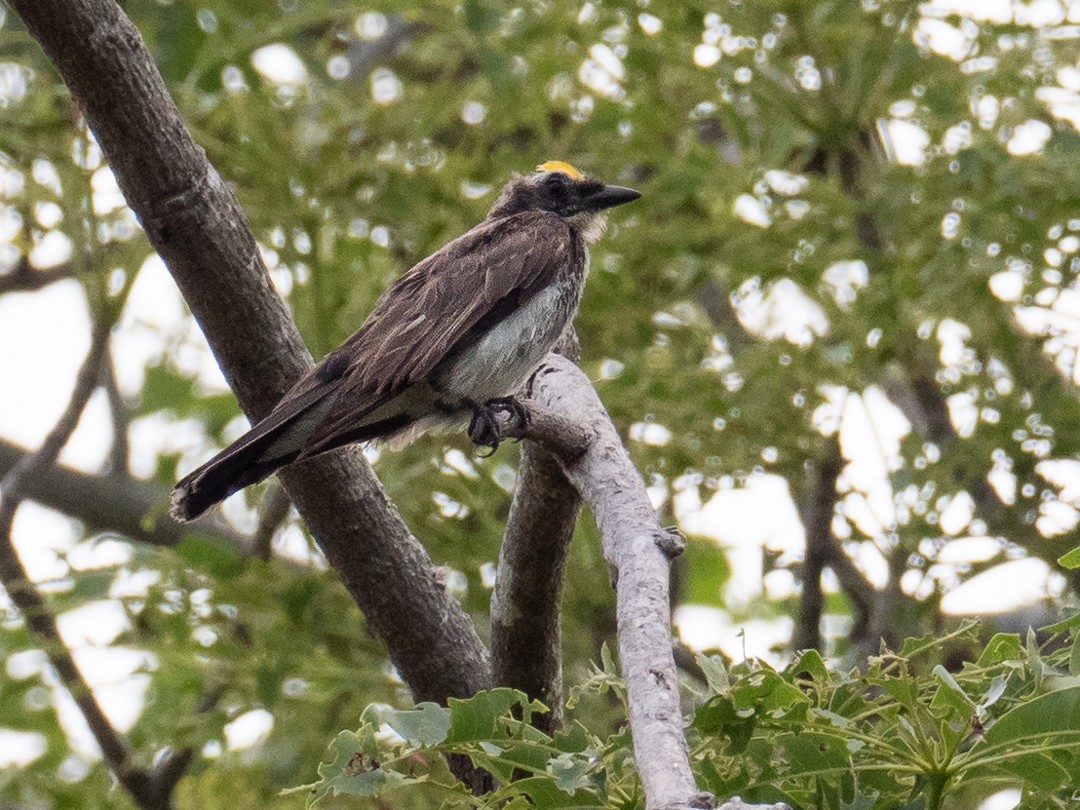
(610, 196)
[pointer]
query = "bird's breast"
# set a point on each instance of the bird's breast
(497, 364)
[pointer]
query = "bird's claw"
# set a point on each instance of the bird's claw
(485, 429)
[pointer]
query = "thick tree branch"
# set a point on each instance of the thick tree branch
(526, 638)
(562, 404)
(137, 781)
(193, 220)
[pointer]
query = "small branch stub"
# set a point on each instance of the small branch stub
(671, 541)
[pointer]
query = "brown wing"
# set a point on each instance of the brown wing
(434, 305)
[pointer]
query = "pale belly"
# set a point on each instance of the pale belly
(500, 362)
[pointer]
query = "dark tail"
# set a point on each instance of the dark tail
(271, 444)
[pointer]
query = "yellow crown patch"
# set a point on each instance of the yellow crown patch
(559, 166)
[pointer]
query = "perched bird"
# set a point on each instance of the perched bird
(446, 346)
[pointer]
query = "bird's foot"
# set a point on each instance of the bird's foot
(487, 429)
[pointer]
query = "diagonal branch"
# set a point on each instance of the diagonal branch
(121, 419)
(193, 220)
(117, 503)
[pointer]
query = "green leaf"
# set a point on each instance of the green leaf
(819, 753)
(810, 666)
(571, 773)
(1070, 559)
(1034, 656)
(718, 718)
(995, 691)
(1002, 647)
(426, 725)
(353, 773)
(951, 694)
(715, 672)
(543, 792)
(1039, 740)
(767, 690)
(474, 718)
(1055, 713)
(1064, 625)
(863, 800)
(573, 739)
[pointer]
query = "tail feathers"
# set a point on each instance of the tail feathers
(271, 444)
(198, 492)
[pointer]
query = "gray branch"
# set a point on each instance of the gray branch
(638, 551)
(568, 420)
(193, 220)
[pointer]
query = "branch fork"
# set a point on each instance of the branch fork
(568, 421)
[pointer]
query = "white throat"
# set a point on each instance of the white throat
(589, 224)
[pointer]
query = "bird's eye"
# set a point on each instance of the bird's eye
(556, 181)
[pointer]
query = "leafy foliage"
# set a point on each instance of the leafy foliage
(905, 733)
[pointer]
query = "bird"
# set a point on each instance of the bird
(445, 348)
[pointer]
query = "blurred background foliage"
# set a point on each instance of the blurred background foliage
(839, 198)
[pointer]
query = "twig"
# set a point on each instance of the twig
(117, 503)
(861, 592)
(120, 451)
(29, 602)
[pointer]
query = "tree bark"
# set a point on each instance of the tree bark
(526, 634)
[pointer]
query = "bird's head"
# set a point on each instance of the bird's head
(561, 189)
